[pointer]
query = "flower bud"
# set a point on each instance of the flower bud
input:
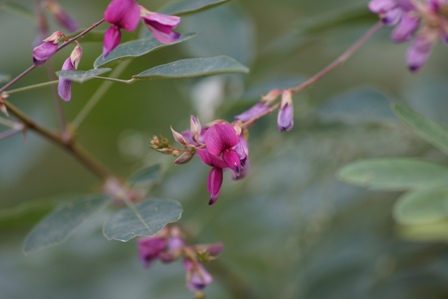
(178, 137)
(195, 128)
(285, 120)
(47, 49)
(184, 158)
(271, 96)
(70, 64)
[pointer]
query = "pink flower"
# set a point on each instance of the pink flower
(70, 64)
(161, 26)
(150, 248)
(285, 120)
(122, 14)
(44, 51)
(197, 277)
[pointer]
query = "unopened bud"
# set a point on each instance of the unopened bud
(195, 128)
(62, 16)
(178, 137)
(47, 49)
(76, 56)
(184, 158)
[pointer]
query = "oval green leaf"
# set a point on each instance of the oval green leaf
(191, 6)
(422, 207)
(427, 129)
(144, 219)
(59, 225)
(395, 173)
(135, 49)
(82, 76)
(194, 67)
(147, 175)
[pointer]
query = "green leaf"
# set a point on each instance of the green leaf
(193, 68)
(422, 206)
(135, 49)
(147, 175)
(82, 76)
(144, 219)
(4, 78)
(184, 7)
(427, 129)
(58, 226)
(394, 173)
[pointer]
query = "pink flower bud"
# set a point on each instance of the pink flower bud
(70, 64)
(285, 120)
(197, 277)
(178, 137)
(47, 49)
(112, 38)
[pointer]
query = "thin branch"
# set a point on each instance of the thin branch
(31, 87)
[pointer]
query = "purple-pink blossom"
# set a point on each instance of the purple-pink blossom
(197, 277)
(162, 26)
(285, 119)
(48, 48)
(70, 64)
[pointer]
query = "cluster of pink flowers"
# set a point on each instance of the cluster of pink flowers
(425, 19)
(121, 14)
(169, 244)
(220, 145)
(126, 14)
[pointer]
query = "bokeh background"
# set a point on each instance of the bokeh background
(291, 229)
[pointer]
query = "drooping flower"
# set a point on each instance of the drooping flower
(197, 277)
(161, 26)
(220, 140)
(285, 119)
(47, 49)
(63, 18)
(70, 64)
(122, 14)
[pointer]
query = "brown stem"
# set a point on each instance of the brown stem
(68, 144)
(338, 61)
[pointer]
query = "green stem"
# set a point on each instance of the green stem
(31, 87)
(97, 96)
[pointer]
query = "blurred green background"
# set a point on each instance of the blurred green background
(291, 229)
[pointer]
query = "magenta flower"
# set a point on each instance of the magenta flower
(122, 14)
(285, 120)
(47, 49)
(253, 112)
(70, 64)
(150, 248)
(220, 140)
(215, 176)
(161, 26)
(197, 277)
(418, 52)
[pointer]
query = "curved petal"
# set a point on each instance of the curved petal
(220, 137)
(210, 159)
(214, 183)
(232, 160)
(111, 40)
(123, 13)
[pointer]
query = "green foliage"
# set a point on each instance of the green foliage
(17, 8)
(82, 76)
(183, 7)
(143, 219)
(395, 174)
(427, 129)
(147, 175)
(59, 225)
(193, 68)
(422, 206)
(136, 48)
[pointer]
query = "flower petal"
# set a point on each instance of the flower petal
(210, 159)
(123, 13)
(112, 38)
(220, 137)
(214, 183)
